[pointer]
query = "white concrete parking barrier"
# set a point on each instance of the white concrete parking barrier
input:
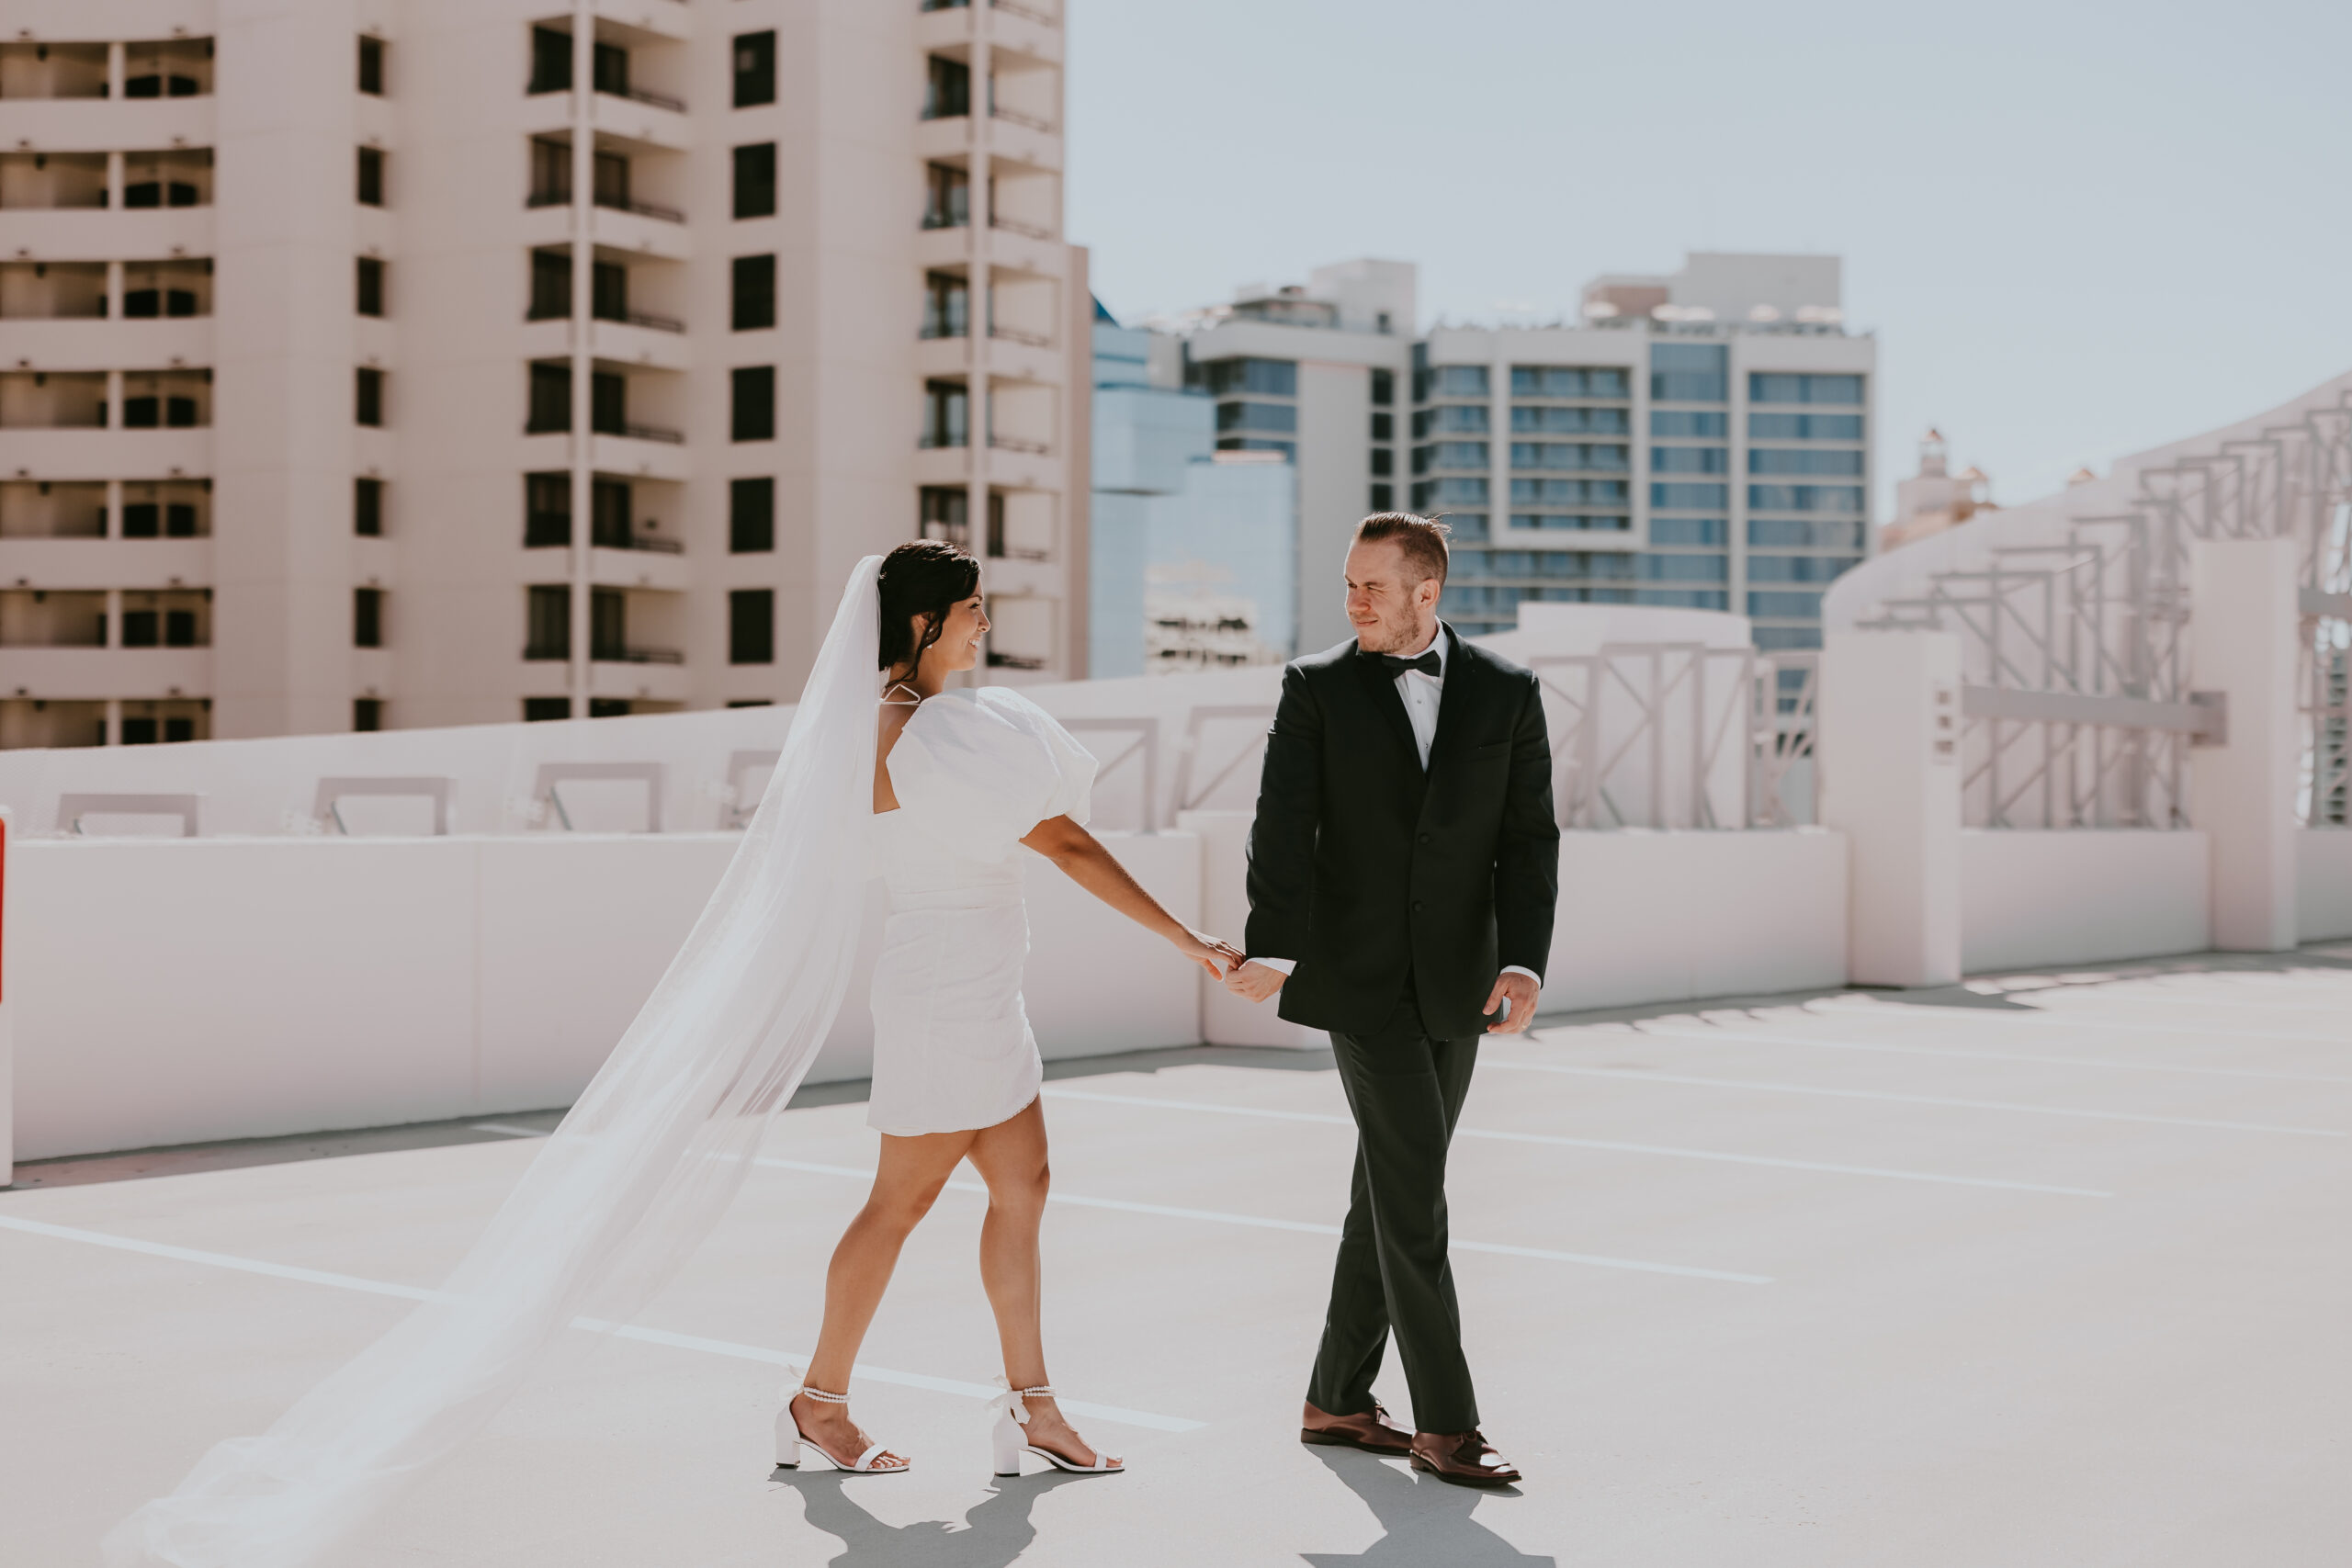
(2242, 595)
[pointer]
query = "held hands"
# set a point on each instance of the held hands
(1520, 991)
(1219, 958)
(1253, 982)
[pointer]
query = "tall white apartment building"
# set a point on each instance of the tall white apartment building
(1700, 440)
(372, 363)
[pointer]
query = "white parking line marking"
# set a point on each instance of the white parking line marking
(1602, 1144)
(2047, 1019)
(1638, 1077)
(625, 1331)
(1966, 1055)
(1259, 1222)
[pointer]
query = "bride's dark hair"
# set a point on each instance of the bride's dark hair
(926, 578)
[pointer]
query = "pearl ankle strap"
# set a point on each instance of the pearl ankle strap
(820, 1394)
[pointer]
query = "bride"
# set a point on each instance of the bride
(959, 777)
(933, 788)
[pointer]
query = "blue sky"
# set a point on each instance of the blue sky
(2079, 229)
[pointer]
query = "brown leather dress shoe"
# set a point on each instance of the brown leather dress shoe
(1466, 1458)
(1372, 1432)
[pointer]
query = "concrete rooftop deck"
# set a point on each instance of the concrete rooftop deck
(2052, 1268)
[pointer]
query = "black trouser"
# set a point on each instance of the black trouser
(1406, 1090)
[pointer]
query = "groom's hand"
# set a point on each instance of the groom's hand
(1253, 982)
(1520, 991)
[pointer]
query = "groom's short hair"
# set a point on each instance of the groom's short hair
(1422, 540)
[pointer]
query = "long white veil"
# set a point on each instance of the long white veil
(625, 1191)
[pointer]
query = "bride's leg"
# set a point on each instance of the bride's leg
(906, 1183)
(1011, 1158)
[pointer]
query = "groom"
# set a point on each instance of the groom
(1402, 872)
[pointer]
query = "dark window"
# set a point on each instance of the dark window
(550, 286)
(1383, 427)
(1451, 381)
(179, 413)
(366, 617)
(755, 69)
(539, 710)
(948, 203)
(139, 519)
(547, 510)
(1278, 417)
(947, 308)
(946, 415)
(751, 625)
(138, 731)
(371, 80)
(610, 514)
(371, 285)
(753, 416)
(1383, 387)
(610, 172)
(372, 176)
(947, 94)
(756, 180)
(1383, 498)
(1275, 378)
(751, 515)
(551, 61)
(996, 524)
(946, 512)
(754, 293)
(1763, 388)
(609, 291)
(141, 413)
(367, 507)
(610, 707)
(549, 628)
(608, 402)
(550, 173)
(550, 399)
(1384, 460)
(608, 626)
(180, 628)
(141, 628)
(609, 67)
(367, 714)
(368, 401)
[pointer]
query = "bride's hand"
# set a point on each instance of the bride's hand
(1216, 957)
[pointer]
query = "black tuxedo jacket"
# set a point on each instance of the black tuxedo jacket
(1365, 870)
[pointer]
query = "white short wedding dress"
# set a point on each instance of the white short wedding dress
(974, 771)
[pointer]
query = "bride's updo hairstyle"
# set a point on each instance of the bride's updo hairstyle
(926, 578)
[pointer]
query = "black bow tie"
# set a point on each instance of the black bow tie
(1426, 664)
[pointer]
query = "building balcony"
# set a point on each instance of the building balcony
(80, 453)
(85, 233)
(1022, 250)
(106, 563)
(1016, 359)
(946, 28)
(101, 125)
(1023, 29)
(1024, 140)
(640, 674)
(944, 140)
(650, 567)
(87, 342)
(656, 19)
(94, 675)
(629, 343)
(944, 466)
(942, 356)
(635, 233)
(637, 121)
(944, 247)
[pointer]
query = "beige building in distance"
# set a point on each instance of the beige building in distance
(394, 363)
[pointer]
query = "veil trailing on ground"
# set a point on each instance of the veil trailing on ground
(625, 1191)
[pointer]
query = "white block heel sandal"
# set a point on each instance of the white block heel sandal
(1011, 1441)
(790, 1441)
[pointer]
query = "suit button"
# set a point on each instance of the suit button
(1425, 838)
(1416, 905)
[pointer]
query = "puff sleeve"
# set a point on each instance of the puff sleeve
(979, 769)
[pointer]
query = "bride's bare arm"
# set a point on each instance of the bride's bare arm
(1083, 857)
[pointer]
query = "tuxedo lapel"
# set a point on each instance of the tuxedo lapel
(1382, 687)
(1463, 678)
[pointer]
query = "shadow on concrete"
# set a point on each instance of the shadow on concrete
(993, 1534)
(1428, 1521)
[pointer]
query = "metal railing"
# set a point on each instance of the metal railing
(1015, 226)
(2077, 706)
(1021, 334)
(642, 95)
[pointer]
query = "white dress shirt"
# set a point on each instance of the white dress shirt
(1422, 694)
